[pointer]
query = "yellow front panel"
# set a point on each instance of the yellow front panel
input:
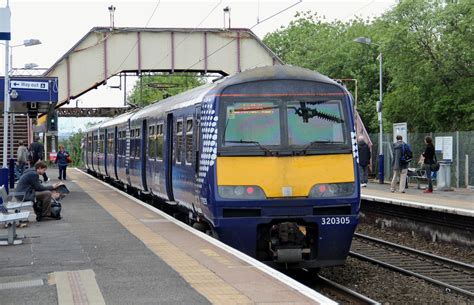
(273, 174)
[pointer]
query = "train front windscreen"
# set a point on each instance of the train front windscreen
(292, 124)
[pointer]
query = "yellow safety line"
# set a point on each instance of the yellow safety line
(206, 282)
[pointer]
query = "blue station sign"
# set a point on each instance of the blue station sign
(31, 89)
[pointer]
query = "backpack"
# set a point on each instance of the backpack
(407, 154)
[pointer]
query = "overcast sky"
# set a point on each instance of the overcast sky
(62, 23)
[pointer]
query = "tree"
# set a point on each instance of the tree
(155, 87)
(74, 146)
(428, 61)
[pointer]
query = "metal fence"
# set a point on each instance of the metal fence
(462, 166)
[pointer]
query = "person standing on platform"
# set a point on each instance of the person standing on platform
(428, 156)
(62, 158)
(400, 168)
(37, 154)
(22, 157)
(364, 161)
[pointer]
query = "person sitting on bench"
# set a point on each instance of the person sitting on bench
(29, 183)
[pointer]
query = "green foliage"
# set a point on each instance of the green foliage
(74, 147)
(428, 61)
(155, 87)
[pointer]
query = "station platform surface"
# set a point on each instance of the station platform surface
(457, 201)
(109, 248)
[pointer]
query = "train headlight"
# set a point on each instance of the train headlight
(332, 190)
(241, 192)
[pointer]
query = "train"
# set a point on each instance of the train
(264, 160)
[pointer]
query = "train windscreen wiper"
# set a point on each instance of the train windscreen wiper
(266, 149)
(313, 143)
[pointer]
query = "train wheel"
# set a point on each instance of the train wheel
(200, 226)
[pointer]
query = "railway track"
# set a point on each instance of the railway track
(332, 290)
(452, 275)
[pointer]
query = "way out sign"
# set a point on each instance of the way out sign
(20, 84)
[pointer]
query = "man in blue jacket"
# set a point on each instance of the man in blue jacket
(29, 183)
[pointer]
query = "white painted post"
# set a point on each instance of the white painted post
(466, 171)
(457, 159)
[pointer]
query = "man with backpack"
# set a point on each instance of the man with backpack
(401, 157)
(37, 154)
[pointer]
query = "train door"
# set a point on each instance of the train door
(127, 151)
(97, 151)
(115, 151)
(105, 151)
(197, 155)
(87, 150)
(144, 158)
(169, 155)
(93, 150)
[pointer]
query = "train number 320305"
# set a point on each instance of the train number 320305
(335, 221)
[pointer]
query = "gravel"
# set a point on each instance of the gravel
(389, 287)
(415, 241)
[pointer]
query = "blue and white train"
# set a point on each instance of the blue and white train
(265, 160)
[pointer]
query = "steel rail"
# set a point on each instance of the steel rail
(453, 275)
(355, 297)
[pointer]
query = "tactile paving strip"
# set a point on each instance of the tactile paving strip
(207, 283)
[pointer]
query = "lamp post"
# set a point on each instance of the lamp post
(6, 105)
(368, 41)
(26, 43)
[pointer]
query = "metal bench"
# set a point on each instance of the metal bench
(11, 219)
(10, 204)
(420, 176)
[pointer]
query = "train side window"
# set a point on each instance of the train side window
(189, 141)
(101, 143)
(151, 142)
(132, 143)
(137, 143)
(159, 142)
(179, 141)
(95, 143)
(110, 143)
(117, 144)
(122, 143)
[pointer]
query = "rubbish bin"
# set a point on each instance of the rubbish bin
(4, 177)
(444, 176)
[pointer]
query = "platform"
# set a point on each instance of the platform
(110, 248)
(458, 201)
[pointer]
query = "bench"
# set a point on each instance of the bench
(10, 219)
(420, 176)
(10, 204)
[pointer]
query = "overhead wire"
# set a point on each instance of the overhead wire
(192, 31)
(195, 28)
(256, 24)
(136, 42)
